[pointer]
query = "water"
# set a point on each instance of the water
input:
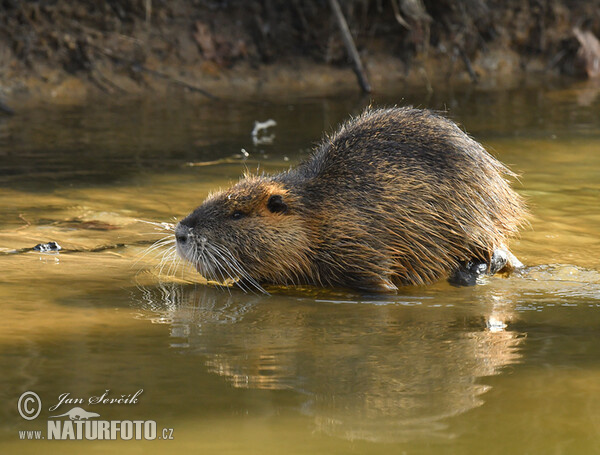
(511, 366)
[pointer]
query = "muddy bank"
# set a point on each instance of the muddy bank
(66, 51)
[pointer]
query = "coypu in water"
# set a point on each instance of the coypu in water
(394, 197)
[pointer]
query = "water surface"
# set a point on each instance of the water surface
(510, 366)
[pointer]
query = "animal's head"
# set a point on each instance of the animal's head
(252, 231)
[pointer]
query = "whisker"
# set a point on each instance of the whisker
(219, 268)
(158, 244)
(240, 283)
(155, 246)
(222, 266)
(166, 255)
(234, 263)
(236, 267)
(215, 263)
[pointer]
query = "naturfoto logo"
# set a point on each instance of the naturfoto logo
(77, 414)
(80, 424)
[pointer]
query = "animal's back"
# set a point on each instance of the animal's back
(404, 194)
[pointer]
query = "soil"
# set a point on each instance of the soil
(65, 51)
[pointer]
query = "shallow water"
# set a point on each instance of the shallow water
(510, 366)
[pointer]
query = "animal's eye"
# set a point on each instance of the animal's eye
(237, 215)
(276, 204)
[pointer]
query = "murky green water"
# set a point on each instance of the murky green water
(512, 366)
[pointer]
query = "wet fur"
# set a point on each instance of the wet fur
(395, 197)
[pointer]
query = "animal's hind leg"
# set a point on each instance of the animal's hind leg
(467, 273)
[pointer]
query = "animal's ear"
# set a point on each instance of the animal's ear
(276, 204)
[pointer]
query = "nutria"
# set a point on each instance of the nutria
(397, 196)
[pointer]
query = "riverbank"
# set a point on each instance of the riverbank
(67, 52)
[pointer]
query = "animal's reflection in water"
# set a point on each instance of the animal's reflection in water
(368, 371)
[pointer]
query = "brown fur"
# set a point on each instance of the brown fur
(395, 197)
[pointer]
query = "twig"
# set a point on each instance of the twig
(101, 34)
(27, 222)
(467, 62)
(589, 51)
(148, 11)
(94, 80)
(556, 59)
(138, 67)
(105, 80)
(398, 16)
(98, 249)
(350, 47)
(428, 85)
(158, 74)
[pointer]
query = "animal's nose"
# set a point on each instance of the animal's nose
(181, 233)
